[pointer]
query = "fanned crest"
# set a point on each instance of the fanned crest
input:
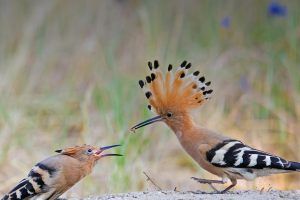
(176, 89)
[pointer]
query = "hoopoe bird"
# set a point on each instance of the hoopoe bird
(173, 96)
(53, 176)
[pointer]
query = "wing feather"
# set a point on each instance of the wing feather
(235, 154)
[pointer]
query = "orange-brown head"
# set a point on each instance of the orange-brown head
(173, 95)
(87, 153)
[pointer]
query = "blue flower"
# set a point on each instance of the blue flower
(244, 84)
(277, 9)
(225, 22)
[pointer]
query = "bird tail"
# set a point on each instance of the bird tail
(294, 166)
(23, 190)
(176, 88)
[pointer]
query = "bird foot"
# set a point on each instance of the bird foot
(209, 182)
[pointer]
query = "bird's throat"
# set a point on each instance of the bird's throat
(179, 127)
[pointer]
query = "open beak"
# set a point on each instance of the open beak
(105, 148)
(147, 122)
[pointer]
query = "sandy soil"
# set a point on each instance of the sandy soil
(171, 195)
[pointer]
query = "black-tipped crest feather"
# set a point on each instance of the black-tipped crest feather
(156, 64)
(150, 65)
(175, 88)
(183, 64)
(141, 83)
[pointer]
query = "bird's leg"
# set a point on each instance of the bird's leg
(233, 181)
(207, 181)
(210, 182)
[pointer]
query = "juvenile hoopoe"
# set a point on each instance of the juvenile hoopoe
(173, 96)
(53, 176)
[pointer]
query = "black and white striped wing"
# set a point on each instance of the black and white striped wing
(24, 189)
(34, 184)
(235, 154)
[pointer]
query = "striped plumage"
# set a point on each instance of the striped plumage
(37, 183)
(53, 176)
(172, 96)
(235, 157)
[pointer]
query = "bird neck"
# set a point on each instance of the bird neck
(185, 123)
(87, 166)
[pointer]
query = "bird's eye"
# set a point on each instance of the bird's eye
(89, 150)
(169, 114)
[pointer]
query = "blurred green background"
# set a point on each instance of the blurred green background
(69, 72)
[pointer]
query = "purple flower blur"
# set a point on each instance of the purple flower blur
(244, 84)
(225, 22)
(277, 9)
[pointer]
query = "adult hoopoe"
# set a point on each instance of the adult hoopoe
(53, 176)
(173, 96)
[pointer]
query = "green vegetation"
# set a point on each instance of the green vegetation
(69, 72)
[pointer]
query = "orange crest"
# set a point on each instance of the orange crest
(73, 150)
(176, 89)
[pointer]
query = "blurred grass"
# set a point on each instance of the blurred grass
(69, 71)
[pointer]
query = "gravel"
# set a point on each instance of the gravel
(171, 195)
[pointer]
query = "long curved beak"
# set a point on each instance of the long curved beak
(108, 147)
(147, 122)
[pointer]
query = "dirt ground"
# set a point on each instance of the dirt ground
(171, 195)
